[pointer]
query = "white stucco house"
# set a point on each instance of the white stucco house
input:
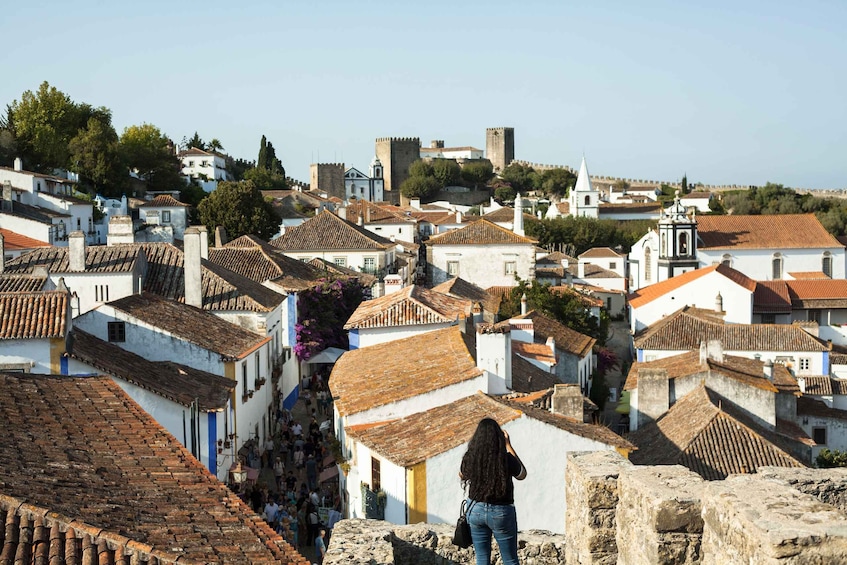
(34, 332)
(206, 167)
(381, 220)
(164, 213)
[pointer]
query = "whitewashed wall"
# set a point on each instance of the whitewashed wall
(28, 351)
(483, 265)
(372, 336)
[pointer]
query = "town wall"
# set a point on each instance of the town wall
(621, 513)
(396, 155)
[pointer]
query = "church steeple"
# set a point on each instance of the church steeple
(677, 241)
(584, 200)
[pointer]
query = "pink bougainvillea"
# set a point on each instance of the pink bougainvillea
(322, 312)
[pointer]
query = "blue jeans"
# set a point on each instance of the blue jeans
(498, 519)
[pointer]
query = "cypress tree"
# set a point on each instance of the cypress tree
(262, 161)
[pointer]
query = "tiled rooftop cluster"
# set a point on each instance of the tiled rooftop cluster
(29, 315)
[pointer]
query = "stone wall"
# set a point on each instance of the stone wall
(327, 177)
(500, 147)
(396, 155)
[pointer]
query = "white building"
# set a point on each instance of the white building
(583, 199)
(34, 332)
(206, 167)
(165, 216)
(368, 187)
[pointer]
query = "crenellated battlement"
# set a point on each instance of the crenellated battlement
(398, 140)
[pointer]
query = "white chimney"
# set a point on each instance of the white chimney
(415, 203)
(360, 221)
(523, 304)
(517, 223)
(342, 212)
(567, 401)
(204, 242)
(551, 343)
(768, 371)
(494, 354)
(192, 269)
(801, 382)
(719, 303)
(220, 235)
(19, 165)
(715, 348)
(76, 251)
(120, 230)
(704, 353)
(458, 216)
(2, 254)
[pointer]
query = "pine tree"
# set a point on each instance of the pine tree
(262, 161)
(685, 184)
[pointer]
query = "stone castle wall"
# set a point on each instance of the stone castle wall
(396, 155)
(327, 177)
(619, 513)
(500, 147)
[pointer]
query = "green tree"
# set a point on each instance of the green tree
(194, 141)
(830, 458)
(147, 150)
(477, 173)
(446, 171)
(419, 187)
(43, 123)
(421, 168)
(240, 208)
(557, 182)
(504, 192)
(96, 156)
(265, 180)
(523, 178)
(215, 145)
(262, 161)
(685, 184)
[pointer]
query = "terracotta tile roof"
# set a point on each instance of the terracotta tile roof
(779, 231)
(535, 351)
(557, 257)
(137, 494)
(34, 315)
(564, 208)
(805, 275)
(13, 241)
(381, 374)
(684, 330)
(443, 149)
(98, 259)
(624, 208)
(506, 214)
(164, 201)
(822, 293)
(807, 406)
(771, 297)
(460, 288)
(329, 267)
(650, 293)
(741, 369)
(373, 214)
(328, 231)
(697, 194)
(413, 305)
(527, 377)
(480, 232)
(22, 283)
(587, 301)
(500, 292)
(174, 381)
(418, 437)
(566, 339)
(712, 440)
(191, 324)
(195, 152)
(555, 272)
(259, 261)
(824, 385)
(590, 271)
(601, 252)
(593, 432)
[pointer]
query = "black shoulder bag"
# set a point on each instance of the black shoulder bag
(462, 536)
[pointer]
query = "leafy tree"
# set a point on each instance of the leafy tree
(557, 182)
(194, 141)
(419, 187)
(421, 168)
(8, 147)
(240, 208)
(477, 173)
(147, 150)
(504, 192)
(581, 233)
(43, 123)
(238, 167)
(523, 178)
(828, 459)
(95, 155)
(267, 158)
(446, 171)
(214, 145)
(621, 184)
(265, 179)
(192, 195)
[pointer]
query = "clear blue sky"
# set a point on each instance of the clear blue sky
(729, 92)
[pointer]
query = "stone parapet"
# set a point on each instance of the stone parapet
(658, 516)
(750, 520)
(827, 485)
(591, 489)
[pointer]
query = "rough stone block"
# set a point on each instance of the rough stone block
(752, 520)
(827, 485)
(658, 516)
(591, 491)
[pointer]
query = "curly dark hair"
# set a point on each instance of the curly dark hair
(484, 464)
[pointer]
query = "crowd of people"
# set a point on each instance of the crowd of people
(295, 453)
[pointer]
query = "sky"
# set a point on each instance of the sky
(740, 92)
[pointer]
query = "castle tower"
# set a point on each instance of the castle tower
(677, 241)
(583, 199)
(396, 154)
(327, 177)
(500, 147)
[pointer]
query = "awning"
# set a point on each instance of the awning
(328, 355)
(328, 474)
(623, 405)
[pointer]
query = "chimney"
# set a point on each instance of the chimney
(415, 203)
(801, 382)
(653, 395)
(768, 371)
(517, 223)
(192, 269)
(458, 216)
(360, 221)
(494, 354)
(523, 304)
(220, 236)
(2, 254)
(76, 251)
(204, 242)
(715, 349)
(569, 277)
(120, 230)
(551, 343)
(567, 401)
(19, 165)
(342, 212)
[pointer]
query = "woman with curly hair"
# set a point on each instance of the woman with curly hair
(487, 469)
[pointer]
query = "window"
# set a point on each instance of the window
(664, 250)
(511, 267)
(101, 293)
(776, 265)
(369, 265)
(453, 268)
(814, 315)
(191, 163)
(683, 244)
(768, 318)
(648, 265)
(117, 332)
(244, 379)
(204, 164)
(256, 376)
(613, 265)
(340, 261)
(376, 479)
(588, 200)
(78, 224)
(819, 435)
(166, 216)
(826, 264)
(805, 363)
